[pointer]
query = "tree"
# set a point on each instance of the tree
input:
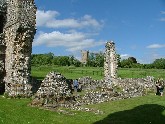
(126, 63)
(159, 63)
(71, 60)
(99, 60)
(91, 60)
(118, 60)
(132, 59)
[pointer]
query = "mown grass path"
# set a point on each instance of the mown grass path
(140, 110)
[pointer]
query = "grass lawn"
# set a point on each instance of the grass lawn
(141, 110)
(95, 72)
(148, 109)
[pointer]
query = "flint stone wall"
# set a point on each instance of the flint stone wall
(55, 91)
(18, 29)
(110, 62)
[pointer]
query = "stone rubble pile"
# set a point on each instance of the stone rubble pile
(120, 89)
(54, 91)
(87, 83)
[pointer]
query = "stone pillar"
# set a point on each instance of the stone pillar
(110, 62)
(19, 33)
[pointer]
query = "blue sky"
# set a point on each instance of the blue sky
(65, 27)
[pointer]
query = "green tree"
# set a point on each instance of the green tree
(132, 59)
(159, 63)
(99, 59)
(118, 60)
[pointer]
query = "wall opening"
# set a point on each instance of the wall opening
(1, 23)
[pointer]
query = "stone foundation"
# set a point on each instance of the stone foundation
(55, 91)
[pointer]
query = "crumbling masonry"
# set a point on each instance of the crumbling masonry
(17, 29)
(110, 62)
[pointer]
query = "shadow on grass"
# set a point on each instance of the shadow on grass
(144, 114)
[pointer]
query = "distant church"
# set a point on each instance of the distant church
(84, 56)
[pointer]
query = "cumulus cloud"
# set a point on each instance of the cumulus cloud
(155, 46)
(124, 56)
(49, 19)
(74, 41)
(45, 16)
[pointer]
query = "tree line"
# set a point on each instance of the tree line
(94, 60)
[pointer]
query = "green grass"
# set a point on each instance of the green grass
(68, 72)
(95, 72)
(140, 110)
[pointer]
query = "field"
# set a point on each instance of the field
(141, 110)
(95, 73)
(148, 109)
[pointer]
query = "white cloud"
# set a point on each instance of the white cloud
(154, 46)
(162, 12)
(74, 41)
(45, 16)
(48, 19)
(124, 56)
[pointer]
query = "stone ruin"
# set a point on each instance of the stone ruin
(56, 91)
(17, 29)
(110, 62)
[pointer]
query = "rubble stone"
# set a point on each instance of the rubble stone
(54, 91)
(17, 29)
(110, 62)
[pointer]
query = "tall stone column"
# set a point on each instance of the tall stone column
(110, 62)
(19, 33)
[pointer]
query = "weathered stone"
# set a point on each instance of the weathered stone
(110, 62)
(85, 55)
(17, 29)
(54, 91)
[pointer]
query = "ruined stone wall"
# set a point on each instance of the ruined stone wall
(19, 33)
(110, 62)
(55, 92)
